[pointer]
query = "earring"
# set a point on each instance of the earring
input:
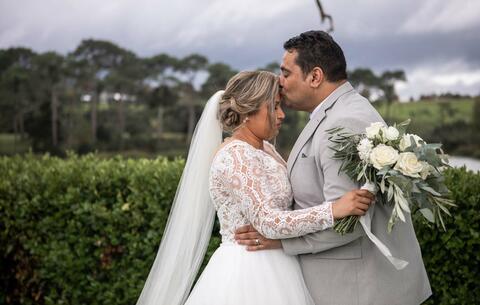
(245, 120)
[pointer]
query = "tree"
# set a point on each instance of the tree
(191, 65)
(364, 80)
(160, 98)
(74, 84)
(387, 85)
(124, 82)
(49, 68)
(273, 67)
(95, 60)
(218, 76)
(17, 96)
(161, 86)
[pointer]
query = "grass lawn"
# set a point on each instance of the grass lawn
(426, 115)
(9, 145)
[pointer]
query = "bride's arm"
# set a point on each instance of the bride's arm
(248, 188)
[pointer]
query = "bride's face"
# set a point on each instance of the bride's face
(259, 123)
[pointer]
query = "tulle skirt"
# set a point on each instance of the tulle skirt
(235, 276)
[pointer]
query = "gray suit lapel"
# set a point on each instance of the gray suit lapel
(313, 124)
(306, 133)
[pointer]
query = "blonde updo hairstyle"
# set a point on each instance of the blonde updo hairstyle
(244, 95)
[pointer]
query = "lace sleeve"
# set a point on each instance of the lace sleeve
(257, 190)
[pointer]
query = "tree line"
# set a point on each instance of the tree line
(103, 96)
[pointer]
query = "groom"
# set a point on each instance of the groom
(337, 269)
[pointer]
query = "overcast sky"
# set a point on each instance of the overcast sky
(436, 42)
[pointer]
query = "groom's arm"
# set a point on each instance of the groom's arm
(336, 185)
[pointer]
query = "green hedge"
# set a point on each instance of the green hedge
(85, 230)
(452, 258)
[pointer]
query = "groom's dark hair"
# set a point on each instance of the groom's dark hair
(318, 49)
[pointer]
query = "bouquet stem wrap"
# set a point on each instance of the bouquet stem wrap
(366, 222)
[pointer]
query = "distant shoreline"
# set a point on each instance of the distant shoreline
(470, 163)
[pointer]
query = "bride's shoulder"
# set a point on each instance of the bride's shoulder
(233, 148)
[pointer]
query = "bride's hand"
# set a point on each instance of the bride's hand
(355, 202)
(248, 236)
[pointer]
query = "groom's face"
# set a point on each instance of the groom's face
(293, 83)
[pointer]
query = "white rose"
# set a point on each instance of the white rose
(374, 130)
(383, 155)
(391, 133)
(364, 148)
(409, 165)
(406, 142)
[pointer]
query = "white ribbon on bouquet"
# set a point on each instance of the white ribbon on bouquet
(366, 222)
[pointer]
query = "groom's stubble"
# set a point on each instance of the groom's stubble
(300, 91)
(295, 90)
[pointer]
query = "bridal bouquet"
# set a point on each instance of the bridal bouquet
(404, 168)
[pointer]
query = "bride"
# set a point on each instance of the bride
(245, 180)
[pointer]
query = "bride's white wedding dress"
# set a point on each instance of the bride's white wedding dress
(250, 186)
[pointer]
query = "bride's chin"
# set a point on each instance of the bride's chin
(274, 134)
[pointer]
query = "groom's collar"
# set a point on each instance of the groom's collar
(313, 124)
(331, 99)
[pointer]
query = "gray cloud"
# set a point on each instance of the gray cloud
(425, 38)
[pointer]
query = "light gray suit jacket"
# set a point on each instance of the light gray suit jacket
(349, 269)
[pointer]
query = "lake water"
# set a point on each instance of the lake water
(470, 163)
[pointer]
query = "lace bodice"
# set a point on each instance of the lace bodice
(250, 186)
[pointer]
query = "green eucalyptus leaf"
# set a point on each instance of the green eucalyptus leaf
(427, 213)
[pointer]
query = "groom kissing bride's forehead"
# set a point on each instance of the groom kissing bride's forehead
(283, 212)
(313, 66)
(339, 269)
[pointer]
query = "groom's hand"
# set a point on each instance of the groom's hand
(248, 236)
(355, 202)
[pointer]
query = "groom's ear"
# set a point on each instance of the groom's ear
(316, 77)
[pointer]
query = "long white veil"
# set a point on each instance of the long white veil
(190, 222)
